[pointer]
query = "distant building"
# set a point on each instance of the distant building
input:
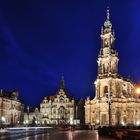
(58, 109)
(11, 108)
(80, 111)
(32, 116)
(115, 102)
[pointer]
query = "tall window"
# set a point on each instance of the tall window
(104, 119)
(105, 90)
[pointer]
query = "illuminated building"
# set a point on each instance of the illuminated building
(32, 116)
(58, 109)
(115, 102)
(11, 108)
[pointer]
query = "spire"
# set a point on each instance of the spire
(62, 82)
(107, 13)
(107, 34)
(108, 57)
(107, 23)
(102, 30)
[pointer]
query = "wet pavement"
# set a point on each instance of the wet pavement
(56, 135)
(69, 135)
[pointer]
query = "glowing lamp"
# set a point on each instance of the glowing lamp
(97, 121)
(3, 119)
(138, 123)
(138, 90)
(26, 121)
(123, 123)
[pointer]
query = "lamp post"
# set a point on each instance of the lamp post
(76, 113)
(65, 116)
(51, 111)
(98, 120)
(28, 111)
(12, 114)
(2, 120)
(0, 123)
(109, 101)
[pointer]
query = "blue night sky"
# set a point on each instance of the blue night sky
(42, 40)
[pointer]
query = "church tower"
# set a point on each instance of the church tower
(108, 57)
(107, 61)
(114, 95)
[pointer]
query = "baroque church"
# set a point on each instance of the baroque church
(115, 101)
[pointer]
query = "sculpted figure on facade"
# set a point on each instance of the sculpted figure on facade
(113, 66)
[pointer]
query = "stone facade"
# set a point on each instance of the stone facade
(32, 117)
(11, 109)
(115, 102)
(58, 109)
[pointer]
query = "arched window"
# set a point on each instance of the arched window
(105, 90)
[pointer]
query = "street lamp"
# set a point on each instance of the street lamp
(109, 101)
(76, 113)
(71, 120)
(2, 121)
(27, 121)
(97, 121)
(12, 114)
(28, 111)
(138, 123)
(36, 122)
(137, 90)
